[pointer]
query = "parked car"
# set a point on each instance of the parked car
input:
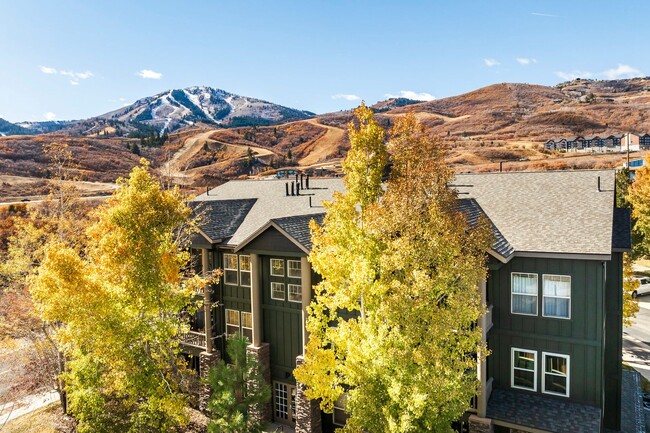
(644, 286)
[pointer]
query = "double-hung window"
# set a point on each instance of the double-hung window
(245, 271)
(247, 325)
(556, 295)
(277, 267)
(524, 294)
(556, 374)
(524, 369)
(232, 322)
(295, 292)
(293, 269)
(277, 291)
(230, 269)
(339, 416)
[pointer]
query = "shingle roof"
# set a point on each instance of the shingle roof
(220, 219)
(271, 202)
(547, 212)
(298, 227)
(473, 210)
(544, 413)
(621, 231)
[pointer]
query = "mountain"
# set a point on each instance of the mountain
(46, 127)
(174, 109)
(8, 128)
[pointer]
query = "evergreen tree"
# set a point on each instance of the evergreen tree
(239, 391)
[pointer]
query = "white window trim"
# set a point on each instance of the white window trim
(558, 297)
(333, 417)
(284, 290)
(289, 292)
(289, 268)
(230, 269)
(525, 294)
(512, 368)
(238, 325)
(247, 272)
(241, 321)
(568, 373)
(271, 265)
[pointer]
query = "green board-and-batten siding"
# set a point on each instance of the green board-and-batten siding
(282, 323)
(613, 342)
(580, 337)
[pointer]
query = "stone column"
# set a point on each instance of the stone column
(305, 278)
(262, 354)
(256, 299)
(308, 419)
(480, 425)
(206, 361)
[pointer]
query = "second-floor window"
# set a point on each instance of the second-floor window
(277, 291)
(295, 292)
(245, 271)
(232, 322)
(556, 294)
(294, 269)
(524, 294)
(230, 269)
(277, 267)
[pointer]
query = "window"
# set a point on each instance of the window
(232, 322)
(339, 417)
(277, 267)
(524, 294)
(295, 292)
(230, 269)
(556, 296)
(277, 291)
(556, 374)
(245, 271)
(294, 269)
(284, 403)
(524, 369)
(247, 325)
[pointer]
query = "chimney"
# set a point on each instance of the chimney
(286, 188)
(292, 192)
(307, 182)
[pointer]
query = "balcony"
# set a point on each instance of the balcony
(195, 339)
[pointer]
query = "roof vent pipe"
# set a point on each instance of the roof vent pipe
(207, 190)
(500, 166)
(309, 201)
(292, 192)
(302, 178)
(598, 183)
(307, 182)
(297, 177)
(286, 188)
(297, 189)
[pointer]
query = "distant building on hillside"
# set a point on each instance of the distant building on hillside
(600, 143)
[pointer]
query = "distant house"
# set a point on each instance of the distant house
(553, 294)
(611, 142)
(630, 141)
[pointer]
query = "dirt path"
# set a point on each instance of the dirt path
(324, 145)
(424, 115)
(174, 167)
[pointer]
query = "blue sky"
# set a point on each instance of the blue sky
(69, 59)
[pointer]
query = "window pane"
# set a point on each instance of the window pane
(281, 398)
(524, 304)
(294, 268)
(524, 378)
(245, 279)
(277, 291)
(232, 317)
(246, 319)
(555, 364)
(277, 267)
(230, 277)
(295, 293)
(556, 384)
(556, 307)
(230, 261)
(557, 285)
(248, 333)
(524, 283)
(245, 263)
(525, 360)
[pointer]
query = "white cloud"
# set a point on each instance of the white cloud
(74, 83)
(77, 75)
(47, 70)
(346, 97)
(490, 62)
(49, 115)
(539, 14)
(423, 96)
(525, 60)
(149, 74)
(622, 71)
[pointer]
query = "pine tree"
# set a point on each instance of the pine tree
(239, 391)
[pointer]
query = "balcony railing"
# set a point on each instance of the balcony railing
(195, 339)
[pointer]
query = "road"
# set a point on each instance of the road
(636, 339)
